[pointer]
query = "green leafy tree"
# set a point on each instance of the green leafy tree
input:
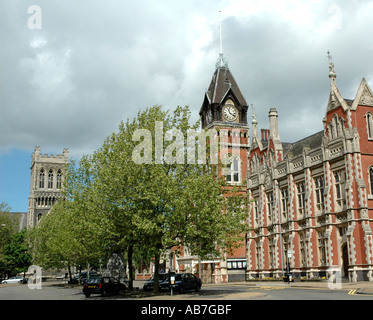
(8, 227)
(161, 201)
(75, 231)
(17, 253)
(140, 192)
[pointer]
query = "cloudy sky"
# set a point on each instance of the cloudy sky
(69, 75)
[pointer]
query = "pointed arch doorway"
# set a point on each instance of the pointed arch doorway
(345, 263)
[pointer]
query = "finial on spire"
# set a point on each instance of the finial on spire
(331, 66)
(254, 121)
(222, 62)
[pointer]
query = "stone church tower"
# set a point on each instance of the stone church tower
(47, 173)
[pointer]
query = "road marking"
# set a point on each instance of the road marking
(352, 292)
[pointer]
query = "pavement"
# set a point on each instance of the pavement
(361, 287)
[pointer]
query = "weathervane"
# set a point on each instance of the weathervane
(222, 62)
(331, 65)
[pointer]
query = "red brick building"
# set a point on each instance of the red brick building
(312, 200)
(312, 209)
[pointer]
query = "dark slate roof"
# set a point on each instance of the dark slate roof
(223, 80)
(296, 148)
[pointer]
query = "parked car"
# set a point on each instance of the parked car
(104, 286)
(15, 280)
(83, 277)
(183, 282)
(149, 285)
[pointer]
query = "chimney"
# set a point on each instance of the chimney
(273, 123)
(265, 134)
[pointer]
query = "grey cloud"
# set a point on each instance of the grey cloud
(95, 63)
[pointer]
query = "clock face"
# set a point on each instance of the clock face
(230, 113)
(209, 116)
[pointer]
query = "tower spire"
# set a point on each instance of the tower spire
(222, 62)
(221, 41)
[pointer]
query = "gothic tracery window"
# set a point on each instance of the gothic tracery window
(50, 179)
(41, 178)
(59, 179)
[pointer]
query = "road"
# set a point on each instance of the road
(237, 291)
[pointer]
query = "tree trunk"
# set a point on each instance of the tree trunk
(69, 269)
(156, 272)
(130, 271)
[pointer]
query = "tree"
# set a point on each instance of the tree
(17, 253)
(75, 231)
(156, 197)
(8, 227)
(140, 192)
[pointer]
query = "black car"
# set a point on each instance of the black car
(83, 277)
(149, 285)
(104, 286)
(183, 282)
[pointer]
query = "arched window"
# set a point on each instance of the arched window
(369, 118)
(337, 126)
(331, 131)
(59, 179)
(50, 179)
(371, 180)
(41, 178)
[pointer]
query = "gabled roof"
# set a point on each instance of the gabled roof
(364, 95)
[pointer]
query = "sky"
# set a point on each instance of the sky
(70, 71)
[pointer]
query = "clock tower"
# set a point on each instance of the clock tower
(225, 109)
